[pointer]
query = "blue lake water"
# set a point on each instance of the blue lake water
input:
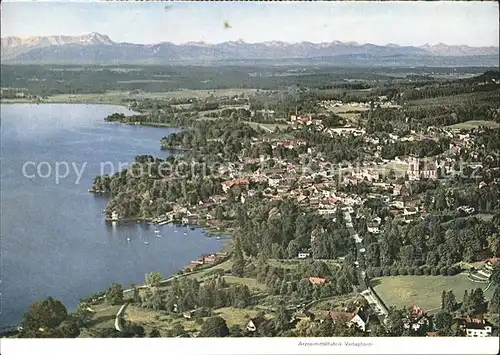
(54, 241)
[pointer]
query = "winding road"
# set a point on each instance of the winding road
(365, 290)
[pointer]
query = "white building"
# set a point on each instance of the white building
(303, 255)
(478, 332)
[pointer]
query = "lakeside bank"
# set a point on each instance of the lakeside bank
(53, 244)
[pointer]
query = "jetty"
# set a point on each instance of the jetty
(165, 222)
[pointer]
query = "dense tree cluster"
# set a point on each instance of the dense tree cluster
(222, 136)
(188, 294)
(420, 148)
(338, 150)
(48, 318)
(150, 186)
(430, 246)
(280, 229)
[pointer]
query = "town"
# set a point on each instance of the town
(375, 215)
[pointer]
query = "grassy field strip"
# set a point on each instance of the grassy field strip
(116, 97)
(450, 99)
(423, 291)
(236, 316)
(475, 124)
(252, 284)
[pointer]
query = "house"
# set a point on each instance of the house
(477, 330)
(491, 261)
(188, 314)
(304, 119)
(208, 258)
(317, 280)
(397, 204)
(475, 326)
(372, 228)
(466, 209)
(193, 266)
(303, 255)
(368, 174)
(217, 198)
(359, 318)
(396, 191)
(274, 180)
(254, 323)
(409, 211)
(226, 185)
(343, 131)
(416, 320)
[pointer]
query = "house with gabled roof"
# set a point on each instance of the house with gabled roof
(317, 280)
(358, 318)
(254, 323)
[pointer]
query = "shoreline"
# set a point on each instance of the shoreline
(76, 102)
(13, 330)
(208, 232)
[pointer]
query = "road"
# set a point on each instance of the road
(373, 300)
(119, 316)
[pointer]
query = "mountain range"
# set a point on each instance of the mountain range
(95, 48)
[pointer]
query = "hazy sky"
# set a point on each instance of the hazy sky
(404, 23)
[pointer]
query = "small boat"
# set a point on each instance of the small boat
(218, 237)
(157, 231)
(158, 236)
(146, 243)
(184, 233)
(128, 239)
(138, 221)
(175, 230)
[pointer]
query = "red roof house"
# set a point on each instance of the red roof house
(317, 280)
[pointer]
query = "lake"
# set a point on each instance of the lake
(54, 240)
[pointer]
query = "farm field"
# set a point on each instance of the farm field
(116, 97)
(270, 127)
(150, 319)
(423, 291)
(348, 109)
(238, 316)
(475, 124)
(460, 98)
(252, 284)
